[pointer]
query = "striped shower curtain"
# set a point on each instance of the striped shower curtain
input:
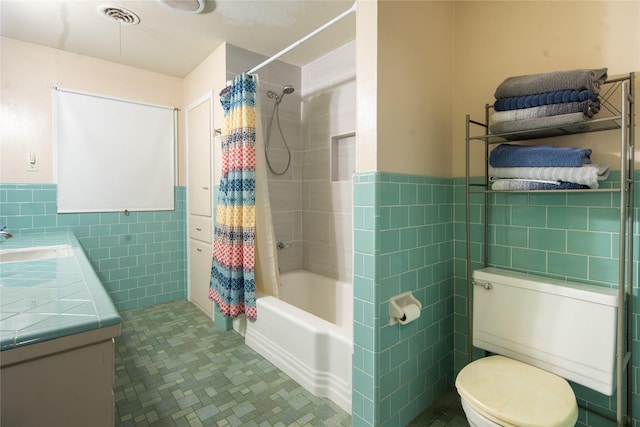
(232, 284)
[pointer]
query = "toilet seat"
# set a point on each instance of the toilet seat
(512, 393)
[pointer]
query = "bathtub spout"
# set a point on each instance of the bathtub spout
(282, 245)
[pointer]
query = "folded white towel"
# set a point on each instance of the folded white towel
(521, 184)
(589, 108)
(586, 175)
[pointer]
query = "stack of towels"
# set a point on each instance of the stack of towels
(547, 99)
(543, 167)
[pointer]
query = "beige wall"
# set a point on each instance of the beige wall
(422, 66)
(404, 68)
(367, 85)
(495, 40)
(415, 54)
(29, 72)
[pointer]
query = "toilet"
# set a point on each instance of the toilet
(541, 333)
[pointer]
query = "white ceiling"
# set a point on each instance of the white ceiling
(174, 43)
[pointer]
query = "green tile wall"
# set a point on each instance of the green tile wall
(567, 235)
(403, 241)
(140, 258)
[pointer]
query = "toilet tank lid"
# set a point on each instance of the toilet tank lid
(592, 293)
(514, 393)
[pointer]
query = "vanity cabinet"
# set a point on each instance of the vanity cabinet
(63, 382)
(199, 122)
(57, 325)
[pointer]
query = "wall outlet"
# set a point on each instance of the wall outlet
(32, 162)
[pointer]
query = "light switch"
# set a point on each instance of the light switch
(32, 162)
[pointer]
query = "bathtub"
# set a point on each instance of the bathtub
(307, 333)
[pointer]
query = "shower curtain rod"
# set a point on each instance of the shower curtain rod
(304, 39)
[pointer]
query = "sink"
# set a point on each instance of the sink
(35, 253)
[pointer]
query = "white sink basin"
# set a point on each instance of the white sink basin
(35, 253)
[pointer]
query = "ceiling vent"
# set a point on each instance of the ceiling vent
(119, 14)
(184, 6)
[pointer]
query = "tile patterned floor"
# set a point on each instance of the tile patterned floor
(446, 411)
(174, 367)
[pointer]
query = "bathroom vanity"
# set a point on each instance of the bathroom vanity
(57, 330)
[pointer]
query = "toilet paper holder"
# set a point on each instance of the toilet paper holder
(398, 303)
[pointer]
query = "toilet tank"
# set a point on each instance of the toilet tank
(562, 327)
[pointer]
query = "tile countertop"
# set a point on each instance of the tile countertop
(41, 300)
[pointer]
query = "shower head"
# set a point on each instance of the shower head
(287, 90)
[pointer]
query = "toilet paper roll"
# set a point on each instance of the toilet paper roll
(411, 313)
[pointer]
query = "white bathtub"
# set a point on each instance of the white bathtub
(308, 333)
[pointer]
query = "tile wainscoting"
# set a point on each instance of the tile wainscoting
(140, 258)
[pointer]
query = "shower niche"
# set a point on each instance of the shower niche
(343, 156)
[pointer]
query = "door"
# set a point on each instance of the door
(199, 124)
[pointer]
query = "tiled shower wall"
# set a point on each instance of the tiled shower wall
(311, 202)
(328, 163)
(140, 258)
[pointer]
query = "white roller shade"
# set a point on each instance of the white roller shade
(113, 154)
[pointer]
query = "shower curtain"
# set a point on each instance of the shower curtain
(235, 254)
(267, 272)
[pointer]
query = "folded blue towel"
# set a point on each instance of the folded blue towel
(546, 98)
(510, 155)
